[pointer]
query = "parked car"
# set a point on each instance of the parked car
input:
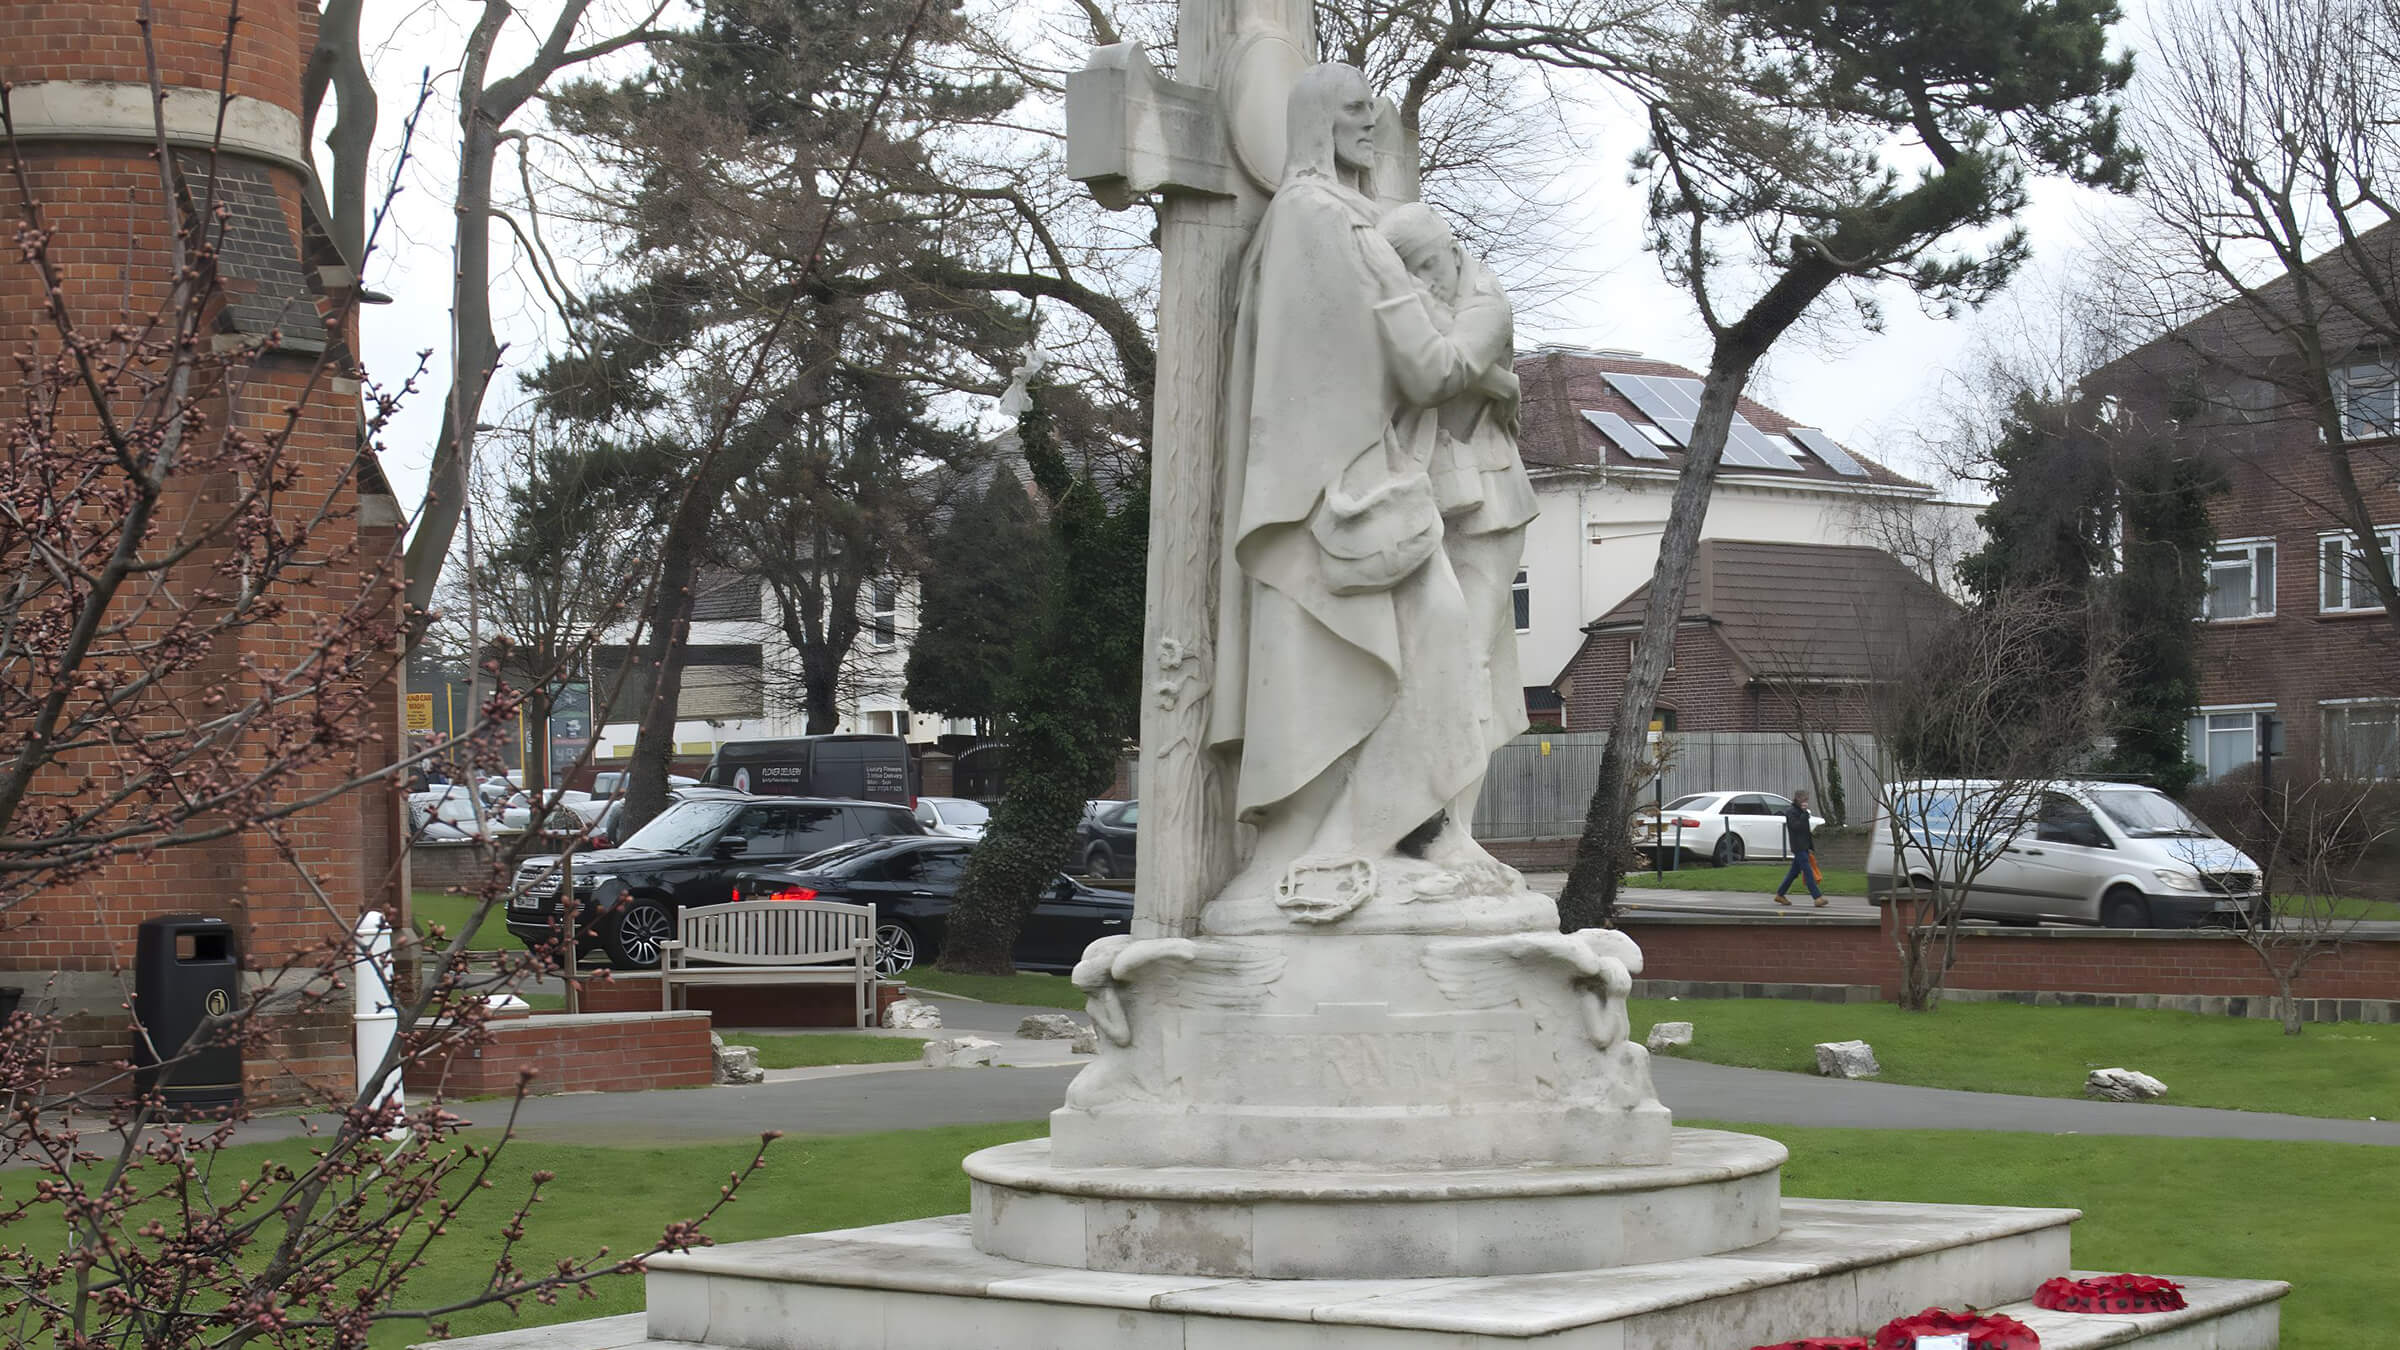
(953, 817)
(450, 814)
(2115, 855)
(1723, 827)
(1104, 841)
(912, 883)
(606, 785)
(856, 767)
(626, 897)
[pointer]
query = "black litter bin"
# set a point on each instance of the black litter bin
(185, 971)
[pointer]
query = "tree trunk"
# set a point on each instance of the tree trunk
(669, 629)
(1590, 897)
(2287, 1002)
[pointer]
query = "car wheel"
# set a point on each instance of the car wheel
(2123, 908)
(1100, 862)
(896, 949)
(634, 932)
(1729, 850)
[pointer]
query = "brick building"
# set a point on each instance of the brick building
(2290, 627)
(86, 124)
(1773, 637)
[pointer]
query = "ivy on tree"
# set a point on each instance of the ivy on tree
(1069, 696)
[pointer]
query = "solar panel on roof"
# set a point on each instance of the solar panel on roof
(1657, 404)
(1624, 435)
(1674, 403)
(1836, 458)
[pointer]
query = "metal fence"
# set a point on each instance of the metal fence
(1540, 785)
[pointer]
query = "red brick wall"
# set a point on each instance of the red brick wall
(611, 1052)
(736, 1005)
(103, 202)
(1709, 689)
(1803, 950)
(2302, 655)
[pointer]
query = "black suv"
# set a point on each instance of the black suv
(626, 897)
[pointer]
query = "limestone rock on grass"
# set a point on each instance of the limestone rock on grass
(2122, 1085)
(1847, 1059)
(1048, 1027)
(912, 1015)
(961, 1052)
(1670, 1036)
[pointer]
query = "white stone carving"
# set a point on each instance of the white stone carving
(1847, 1059)
(1375, 508)
(1489, 972)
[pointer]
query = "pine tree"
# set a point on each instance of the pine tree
(987, 577)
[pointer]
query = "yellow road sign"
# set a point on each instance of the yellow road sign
(420, 712)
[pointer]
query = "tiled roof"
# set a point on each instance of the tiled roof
(1560, 386)
(258, 260)
(1812, 611)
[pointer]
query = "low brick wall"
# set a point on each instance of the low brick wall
(739, 1005)
(1828, 950)
(579, 1052)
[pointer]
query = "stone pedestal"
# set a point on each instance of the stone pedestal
(1720, 1193)
(1386, 1052)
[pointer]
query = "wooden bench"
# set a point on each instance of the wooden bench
(773, 942)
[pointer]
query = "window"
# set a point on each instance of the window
(886, 614)
(931, 867)
(2064, 820)
(2241, 581)
(2343, 582)
(1633, 647)
(1520, 599)
(2224, 739)
(2362, 740)
(2369, 392)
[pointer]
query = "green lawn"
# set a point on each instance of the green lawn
(452, 913)
(1040, 991)
(2344, 1069)
(2305, 1212)
(833, 1047)
(1744, 877)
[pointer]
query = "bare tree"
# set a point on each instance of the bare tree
(2266, 255)
(487, 102)
(170, 500)
(1971, 726)
(2309, 840)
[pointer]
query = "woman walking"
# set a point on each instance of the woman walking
(1803, 841)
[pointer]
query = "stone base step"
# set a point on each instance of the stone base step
(1841, 1267)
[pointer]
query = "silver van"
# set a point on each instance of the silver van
(2112, 854)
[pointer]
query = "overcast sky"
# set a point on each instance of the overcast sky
(1871, 391)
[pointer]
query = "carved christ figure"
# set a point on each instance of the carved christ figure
(1356, 673)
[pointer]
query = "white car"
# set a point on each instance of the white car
(953, 817)
(449, 814)
(1723, 827)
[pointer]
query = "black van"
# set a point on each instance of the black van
(856, 767)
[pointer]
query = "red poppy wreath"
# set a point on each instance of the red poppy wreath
(1984, 1331)
(2110, 1294)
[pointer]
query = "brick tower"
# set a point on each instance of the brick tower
(86, 128)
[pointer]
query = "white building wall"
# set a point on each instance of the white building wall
(1596, 541)
(873, 701)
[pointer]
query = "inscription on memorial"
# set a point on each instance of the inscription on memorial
(1358, 1054)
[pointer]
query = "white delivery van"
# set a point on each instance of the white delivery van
(2112, 854)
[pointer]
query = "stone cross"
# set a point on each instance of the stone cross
(1207, 147)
